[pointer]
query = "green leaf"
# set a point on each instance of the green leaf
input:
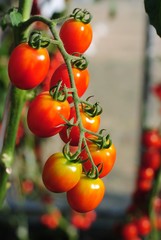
(12, 17)
(153, 9)
(15, 18)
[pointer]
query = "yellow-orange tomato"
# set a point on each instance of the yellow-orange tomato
(86, 195)
(59, 174)
(46, 116)
(103, 158)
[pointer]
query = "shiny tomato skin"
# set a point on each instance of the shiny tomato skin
(129, 231)
(106, 157)
(90, 123)
(81, 78)
(151, 158)
(86, 195)
(27, 66)
(76, 36)
(56, 59)
(143, 225)
(151, 139)
(59, 174)
(144, 185)
(146, 173)
(44, 115)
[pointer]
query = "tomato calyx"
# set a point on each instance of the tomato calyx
(93, 173)
(91, 110)
(80, 62)
(81, 15)
(72, 157)
(36, 40)
(102, 141)
(57, 94)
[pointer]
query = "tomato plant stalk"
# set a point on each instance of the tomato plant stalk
(18, 96)
(16, 102)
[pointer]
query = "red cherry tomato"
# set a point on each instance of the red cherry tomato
(129, 231)
(146, 173)
(81, 78)
(144, 185)
(151, 158)
(56, 60)
(143, 225)
(86, 195)
(157, 90)
(157, 204)
(44, 116)
(27, 66)
(157, 222)
(89, 123)
(27, 186)
(151, 139)
(59, 174)
(83, 221)
(104, 157)
(76, 36)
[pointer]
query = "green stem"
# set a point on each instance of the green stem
(67, 58)
(25, 9)
(17, 100)
(72, 233)
(42, 19)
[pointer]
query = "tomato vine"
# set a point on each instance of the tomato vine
(49, 111)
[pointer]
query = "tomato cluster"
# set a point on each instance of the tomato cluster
(81, 78)
(83, 221)
(51, 220)
(137, 228)
(143, 216)
(57, 109)
(139, 224)
(157, 211)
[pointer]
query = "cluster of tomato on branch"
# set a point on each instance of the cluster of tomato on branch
(143, 219)
(88, 154)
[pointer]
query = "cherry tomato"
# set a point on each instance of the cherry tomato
(144, 185)
(27, 66)
(104, 157)
(157, 222)
(157, 204)
(44, 116)
(81, 78)
(151, 158)
(83, 220)
(143, 225)
(51, 220)
(146, 173)
(129, 231)
(151, 139)
(56, 60)
(89, 123)
(157, 90)
(60, 174)
(86, 195)
(76, 36)
(27, 186)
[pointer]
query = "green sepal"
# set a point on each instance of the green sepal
(93, 173)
